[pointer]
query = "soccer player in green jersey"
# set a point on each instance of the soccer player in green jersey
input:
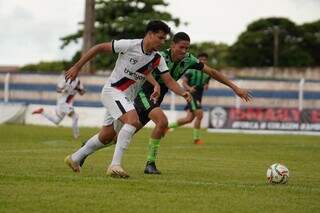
(178, 60)
(196, 82)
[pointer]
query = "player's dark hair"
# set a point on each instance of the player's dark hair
(156, 26)
(180, 36)
(203, 55)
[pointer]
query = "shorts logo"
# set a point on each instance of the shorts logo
(133, 61)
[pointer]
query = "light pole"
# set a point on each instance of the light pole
(275, 32)
(88, 32)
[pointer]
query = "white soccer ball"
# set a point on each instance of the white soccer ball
(277, 173)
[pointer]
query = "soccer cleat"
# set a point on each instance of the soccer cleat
(151, 169)
(73, 165)
(116, 171)
(37, 111)
(198, 142)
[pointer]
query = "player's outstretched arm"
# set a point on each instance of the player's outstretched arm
(175, 87)
(242, 93)
(72, 73)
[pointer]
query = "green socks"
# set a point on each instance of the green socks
(173, 125)
(196, 134)
(153, 149)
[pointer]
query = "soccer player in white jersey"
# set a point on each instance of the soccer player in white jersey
(66, 93)
(137, 58)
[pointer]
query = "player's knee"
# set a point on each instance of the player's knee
(106, 137)
(131, 118)
(190, 118)
(200, 116)
(134, 123)
(162, 124)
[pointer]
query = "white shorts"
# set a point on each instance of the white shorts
(64, 109)
(116, 104)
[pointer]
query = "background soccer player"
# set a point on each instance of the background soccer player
(65, 104)
(196, 82)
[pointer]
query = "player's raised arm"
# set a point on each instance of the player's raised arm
(175, 87)
(72, 73)
(242, 93)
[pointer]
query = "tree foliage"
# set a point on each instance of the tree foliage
(311, 40)
(218, 53)
(118, 19)
(54, 66)
(255, 46)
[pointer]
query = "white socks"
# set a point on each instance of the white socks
(123, 140)
(75, 127)
(92, 145)
(53, 118)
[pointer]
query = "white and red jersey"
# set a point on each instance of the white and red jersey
(132, 66)
(68, 91)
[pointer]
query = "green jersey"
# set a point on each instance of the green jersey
(197, 78)
(176, 69)
(142, 102)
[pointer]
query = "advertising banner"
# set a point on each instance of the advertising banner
(284, 119)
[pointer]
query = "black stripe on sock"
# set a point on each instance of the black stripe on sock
(112, 44)
(121, 107)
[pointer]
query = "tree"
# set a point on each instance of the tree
(218, 53)
(88, 32)
(311, 40)
(117, 19)
(270, 42)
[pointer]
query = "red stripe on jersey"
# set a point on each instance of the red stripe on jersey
(123, 83)
(151, 65)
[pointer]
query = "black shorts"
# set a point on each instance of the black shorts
(143, 106)
(195, 103)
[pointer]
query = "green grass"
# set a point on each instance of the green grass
(226, 174)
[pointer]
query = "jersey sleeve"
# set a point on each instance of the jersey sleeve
(121, 46)
(162, 67)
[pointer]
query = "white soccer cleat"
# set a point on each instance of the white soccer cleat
(73, 165)
(116, 171)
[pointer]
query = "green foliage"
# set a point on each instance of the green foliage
(226, 174)
(311, 40)
(54, 66)
(255, 46)
(218, 53)
(117, 19)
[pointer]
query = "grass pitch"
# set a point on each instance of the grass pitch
(226, 174)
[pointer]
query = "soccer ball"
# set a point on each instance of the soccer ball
(277, 173)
